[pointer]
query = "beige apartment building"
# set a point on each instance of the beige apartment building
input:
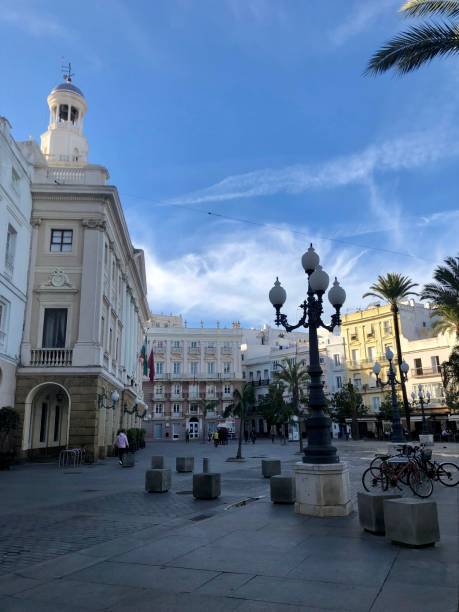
(192, 366)
(79, 377)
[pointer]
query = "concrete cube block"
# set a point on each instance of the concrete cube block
(157, 462)
(371, 511)
(184, 464)
(270, 467)
(411, 521)
(157, 481)
(128, 460)
(283, 490)
(206, 486)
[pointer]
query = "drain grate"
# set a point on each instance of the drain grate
(201, 517)
(184, 492)
(244, 502)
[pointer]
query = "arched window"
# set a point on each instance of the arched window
(73, 114)
(63, 112)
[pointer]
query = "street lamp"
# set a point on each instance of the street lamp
(319, 448)
(397, 433)
(422, 402)
(103, 397)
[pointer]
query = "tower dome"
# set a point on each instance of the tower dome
(64, 143)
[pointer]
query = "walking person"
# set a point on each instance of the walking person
(187, 436)
(273, 435)
(253, 436)
(122, 443)
(216, 438)
(246, 436)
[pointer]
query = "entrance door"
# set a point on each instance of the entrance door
(194, 430)
(158, 433)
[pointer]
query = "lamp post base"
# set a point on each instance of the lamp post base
(323, 489)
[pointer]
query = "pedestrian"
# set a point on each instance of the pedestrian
(444, 435)
(273, 435)
(253, 436)
(187, 436)
(209, 436)
(122, 443)
(216, 438)
(246, 436)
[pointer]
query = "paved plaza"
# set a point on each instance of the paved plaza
(91, 539)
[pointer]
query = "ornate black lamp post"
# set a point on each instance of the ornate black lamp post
(397, 432)
(422, 401)
(319, 448)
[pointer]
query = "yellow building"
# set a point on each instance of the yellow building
(367, 334)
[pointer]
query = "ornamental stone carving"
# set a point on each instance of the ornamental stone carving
(58, 279)
(99, 224)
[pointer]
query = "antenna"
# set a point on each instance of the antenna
(67, 72)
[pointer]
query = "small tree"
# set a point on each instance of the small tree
(243, 402)
(295, 377)
(206, 406)
(9, 427)
(348, 403)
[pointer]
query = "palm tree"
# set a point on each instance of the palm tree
(421, 43)
(444, 294)
(347, 403)
(243, 401)
(206, 406)
(295, 377)
(446, 320)
(392, 288)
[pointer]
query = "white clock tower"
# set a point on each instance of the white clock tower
(64, 143)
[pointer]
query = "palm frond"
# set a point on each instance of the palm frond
(392, 288)
(422, 8)
(414, 47)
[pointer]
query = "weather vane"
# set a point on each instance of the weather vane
(67, 72)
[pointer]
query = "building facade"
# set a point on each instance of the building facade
(15, 232)
(80, 377)
(196, 373)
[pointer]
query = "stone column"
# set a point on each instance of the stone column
(322, 489)
(26, 344)
(87, 351)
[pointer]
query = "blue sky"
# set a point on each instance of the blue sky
(254, 110)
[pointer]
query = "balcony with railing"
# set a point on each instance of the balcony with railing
(227, 350)
(51, 358)
(176, 350)
(194, 350)
(421, 372)
(210, 351)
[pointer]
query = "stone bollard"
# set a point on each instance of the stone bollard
(371, 511)
(157, 481)
(282, 489)
(270, 467)
(157, 462)
(411, 521)
(184, 464)
(206, 485)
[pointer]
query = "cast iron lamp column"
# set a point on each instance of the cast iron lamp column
(397, 433)
(319, 448)
(422, 402)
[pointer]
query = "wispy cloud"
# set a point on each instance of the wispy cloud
(27, 20)
(363, 16)
(403, 153)
(228, 275)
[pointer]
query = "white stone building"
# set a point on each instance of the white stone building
(86, 306)
(15, 232)
(192, 366)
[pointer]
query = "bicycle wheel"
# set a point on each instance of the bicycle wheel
(376, 465)
(420, 483)
(448, 474)
(374, 480)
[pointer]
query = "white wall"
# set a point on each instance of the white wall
(15, 210)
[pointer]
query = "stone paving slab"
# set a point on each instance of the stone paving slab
(416, 598)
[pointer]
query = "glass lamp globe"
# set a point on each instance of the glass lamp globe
(377, 368)
(310, 260)
(389, 354)
(413, 395)
(404, 367)
(319, 280)
(277, 295)
(115, 396)
(428, 395)
(336, 295)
